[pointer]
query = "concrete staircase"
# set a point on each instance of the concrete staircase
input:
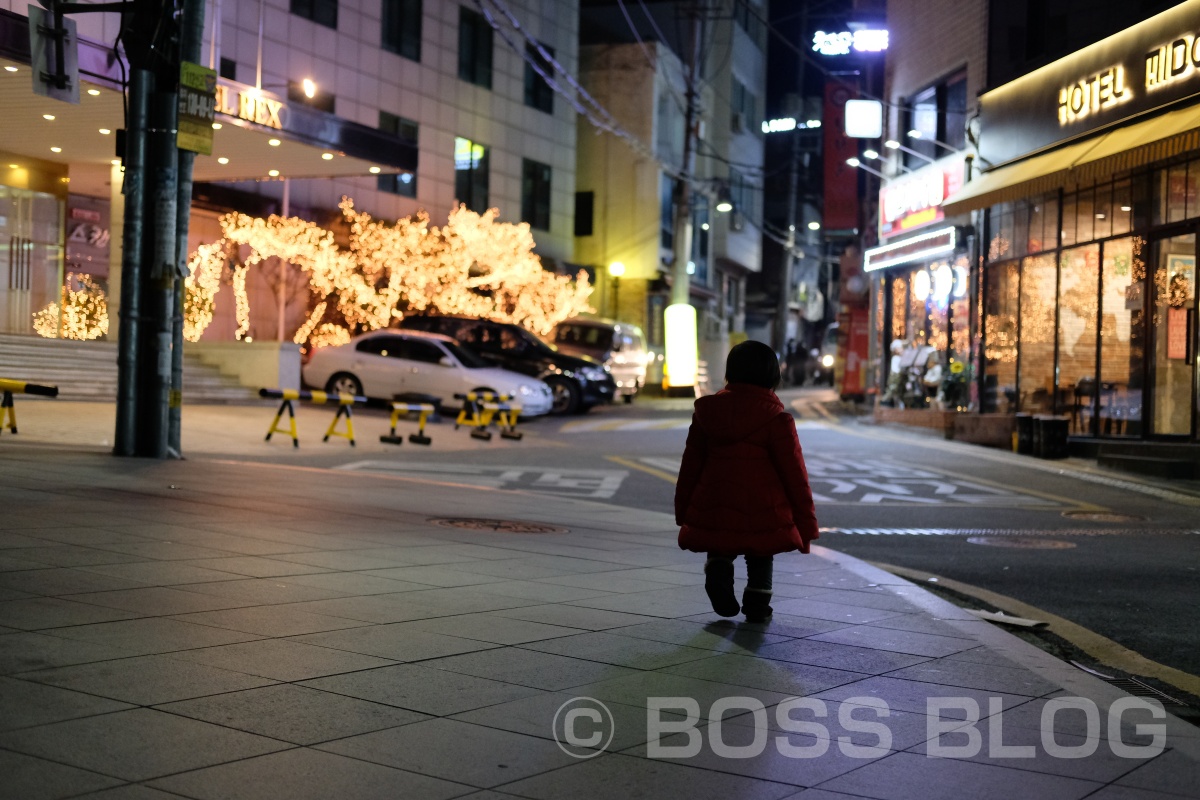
(88, 370)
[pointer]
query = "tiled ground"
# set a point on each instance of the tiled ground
(216, 630)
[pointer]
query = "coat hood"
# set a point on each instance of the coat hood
(737, 411)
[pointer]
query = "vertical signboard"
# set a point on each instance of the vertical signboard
(197, 108)
(841, 179)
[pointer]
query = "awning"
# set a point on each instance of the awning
(1083, 162)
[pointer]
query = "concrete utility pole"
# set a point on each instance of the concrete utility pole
(681, 365)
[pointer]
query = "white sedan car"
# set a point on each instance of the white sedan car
(386, 363)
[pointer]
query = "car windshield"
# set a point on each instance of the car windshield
(464, 356)
(587, 337)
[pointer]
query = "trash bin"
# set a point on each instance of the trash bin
(1025, 434)
(1050, 436)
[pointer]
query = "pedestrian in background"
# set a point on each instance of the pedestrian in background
(743, 488)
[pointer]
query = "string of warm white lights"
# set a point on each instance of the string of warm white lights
(84, 312)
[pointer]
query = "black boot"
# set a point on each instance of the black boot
(718, 583)
(756, 604)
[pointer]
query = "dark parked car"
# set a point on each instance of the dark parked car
(578, 382)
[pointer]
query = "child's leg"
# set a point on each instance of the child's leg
(718, 583)
(756, 600)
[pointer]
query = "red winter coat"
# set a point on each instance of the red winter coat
(743, 488)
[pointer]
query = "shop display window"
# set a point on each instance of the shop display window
(1121, 209)
(1035, 369)
(1085, 216)
(1102, 211)
(1122, 339)
(1000, 322)
(1068, 232)
(1078, 313)
(1171, 195)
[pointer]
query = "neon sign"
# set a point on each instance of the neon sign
(864, 40)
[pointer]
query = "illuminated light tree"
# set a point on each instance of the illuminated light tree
(205, 266)
(84, 311)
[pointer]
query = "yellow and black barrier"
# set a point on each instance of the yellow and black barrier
(480, 408)
(345, 402)
(9, 387)
(423, 410)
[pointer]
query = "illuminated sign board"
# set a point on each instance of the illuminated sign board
(913, 201)
(784, 124)
(914, 250)
(1139, 70)
(863, 40)
(251, 105)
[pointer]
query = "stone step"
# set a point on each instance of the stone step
(1154, 466)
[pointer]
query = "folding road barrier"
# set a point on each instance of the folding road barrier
(344, 402)
(423, 410)
(10, 387)
(480, 408)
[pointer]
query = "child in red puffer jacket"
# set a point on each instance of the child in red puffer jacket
(743, 489)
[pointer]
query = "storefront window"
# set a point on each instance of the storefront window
(1174, 262)
(1068, 220)
(1001, 245)
(1000, 337)
(1077, 320)
(1122, 338)
(1085, 211)
(1122, 208)
(1102, 208)
(1035, 380)
(900, 307)
(1170, 195)
(960, 311)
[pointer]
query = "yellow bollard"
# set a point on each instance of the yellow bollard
(345, 403)
(7, 409)
(423, 409)
(286, 405)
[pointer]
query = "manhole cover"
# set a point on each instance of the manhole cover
(1102, 516)
(1024, 542)
(498, 525)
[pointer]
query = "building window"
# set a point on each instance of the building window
(474, 48)
(538, 93)
(471, 174)
(750, 20)
(744, 109)
(403, 183)
(228, 68)
(322, 12)
(666, 212)
(535, 194)
(322, 101)
(585, 209)
(937, 112)
(402, 28)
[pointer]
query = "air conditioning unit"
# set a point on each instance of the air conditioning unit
(737, 122)
(737, 221)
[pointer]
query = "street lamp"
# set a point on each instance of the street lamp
(616, 269)
(892, 144)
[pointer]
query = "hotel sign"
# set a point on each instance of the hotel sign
(251, 105)
(1139, 70)
(915, 200)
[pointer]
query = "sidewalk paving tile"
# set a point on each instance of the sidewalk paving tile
(352, 583)
(760, 673)
(151, 635)
(919, 623)
(161, 573)
(541, 592)
(255, 566)
(153, 601)
(138, 744)
(281, 659)
(432, 576)
(419, 688)
(295, 714)
(305, 774)
(988, 677)
(529, 668)
(397, 642)
(63, 581)
(648, 604)
(620, 777)
(130, 791)
(166, 550)
(721, 636)
(1118, 792)
(44, 613)
(491, 628)
(838, 656)
(833, 612)
(878, 598)
(914, 695)
(268, 620)
(638, 688)
(440, 747)
(907, 776)
(917, 644)
(625, 651)
(146, 680)
(568, 616)
(23, 652)
(263, 591)
(24, 704)
(29, 778)
(67, 555)
(1171, 772)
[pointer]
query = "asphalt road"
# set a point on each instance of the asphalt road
(1095, 549)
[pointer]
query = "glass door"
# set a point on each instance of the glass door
(31, 256)
(1172, 327)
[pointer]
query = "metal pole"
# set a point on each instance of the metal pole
(682, 236)
(159, 288)
(192, 30)
(125, 438)
(783, 306)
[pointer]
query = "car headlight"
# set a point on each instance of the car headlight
(827, 361)
(594, 373)
(525, 389)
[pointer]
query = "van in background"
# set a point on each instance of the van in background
(620, 346)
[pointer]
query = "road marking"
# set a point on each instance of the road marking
(605, 425)
(658, 467)
(1101, 648)
(598, 484)
(1008, 531)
